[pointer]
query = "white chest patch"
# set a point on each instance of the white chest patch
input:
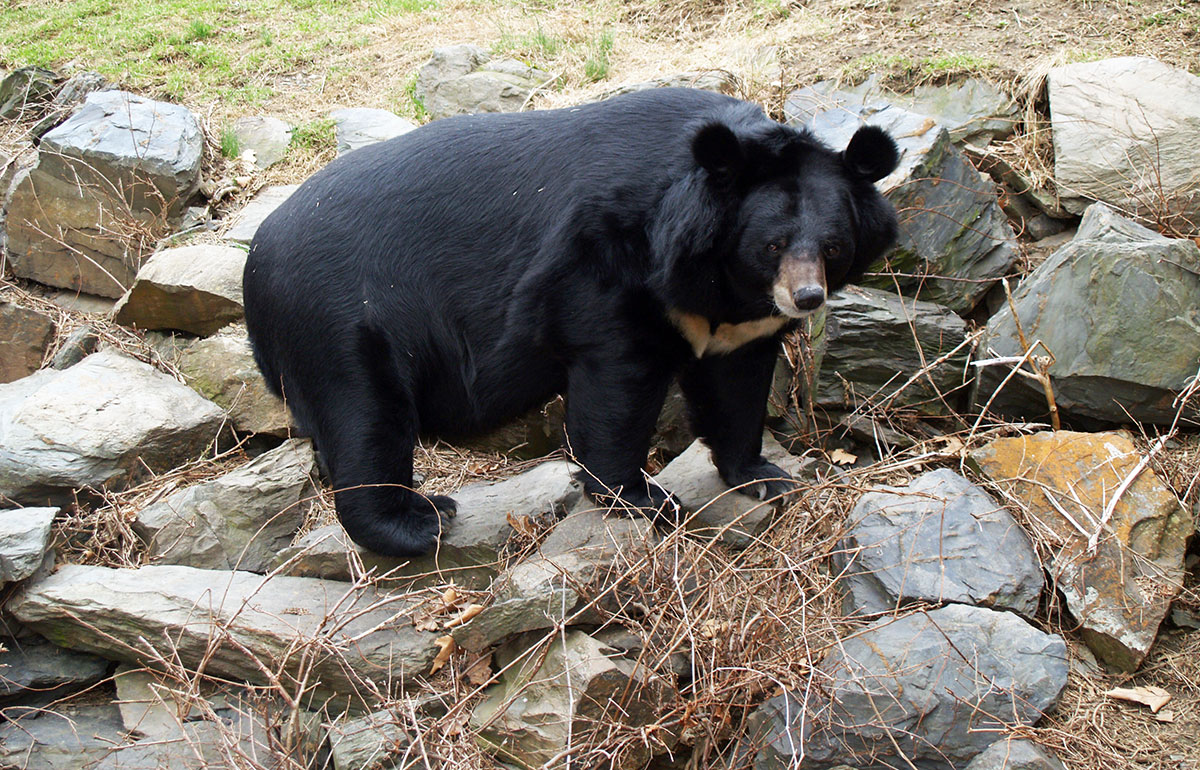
(706, 341)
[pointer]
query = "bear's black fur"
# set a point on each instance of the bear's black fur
(454, 277)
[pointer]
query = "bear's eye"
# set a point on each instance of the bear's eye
(830, 250)
(774, 247)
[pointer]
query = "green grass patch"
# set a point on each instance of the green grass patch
(231, 146)
(204, 49)
(536, 44)
(315, 136)
(597, 65)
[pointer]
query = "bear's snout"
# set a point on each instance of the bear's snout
(808, 298)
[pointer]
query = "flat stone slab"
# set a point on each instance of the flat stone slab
(879, 348)
(733, 518)
(939, 539)
(1127, 132)
(1118, 576)
(240, 520)
(194, 289)
(100, 422)
(937, 687)
(1015, 754)
(472, 545)
(245, 223)
(262, 138)
(34, 669)
(232, 623)
(67, 736)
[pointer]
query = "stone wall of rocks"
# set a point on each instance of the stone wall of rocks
(948, 587)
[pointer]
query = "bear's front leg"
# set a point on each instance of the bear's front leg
(613, 403)
(727, 403)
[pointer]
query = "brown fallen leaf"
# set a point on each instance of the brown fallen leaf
(450, 597)
(446, 647)
(468, 612)
(479, 672)
(522, 524)
(1154, 697)
(842, 457)
(1166, 715)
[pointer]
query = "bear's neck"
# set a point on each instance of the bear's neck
(725, 338)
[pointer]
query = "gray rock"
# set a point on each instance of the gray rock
(222, 369)
(464, 79)
(359, 126)
(955, 241)
(266, 139)
(576, 694)
(78, 345)
(713, 510)
(78, 86)
(146, 707)
(1015, 754)
(876, 341)
(374, 742)
(471, 551)
(122, 166)
(25, 335)
(34, 669)
(245, 223)
(582, 559)
(104, 421)
(26, 88)
(973, 110)
(24, 540)
(924, 542)
(720, 81)
(234, 624)
(1119, 307)
(1127, 132)
(240, 520)
(195, 289)
(936, 686)
(66, 737)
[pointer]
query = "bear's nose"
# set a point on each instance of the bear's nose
(808, 297)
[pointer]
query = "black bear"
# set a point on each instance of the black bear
(450, 279)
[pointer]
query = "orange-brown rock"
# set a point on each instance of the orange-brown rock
(1119, 590)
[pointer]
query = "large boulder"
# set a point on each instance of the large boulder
(33, 669)
(108, 420)
(193, 289)
(955, 241)
(108, 182)
(1127, 132)
(923, 541)
(359, 126)
(464, 79)
(1118, 307)
(25, 335)
(330, 635)
(240, 520)
(222, 369)
(929, 690)
(880, 349)
(1118, 574)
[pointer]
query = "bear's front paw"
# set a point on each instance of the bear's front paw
(445, 506)
(764, 480)
(654, 503)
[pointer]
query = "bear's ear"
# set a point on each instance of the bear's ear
(871, 154)
(718, 151)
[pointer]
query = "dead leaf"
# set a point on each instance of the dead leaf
(450, 597)
(446, 647)
(479, 672)
(426, 623)
(468, 612)
(842, 457)
(522, 524)
(1154, 697)
(711, 629)
(1166, 715)
(953, 446)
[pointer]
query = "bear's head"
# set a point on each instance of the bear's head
(784, 219)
